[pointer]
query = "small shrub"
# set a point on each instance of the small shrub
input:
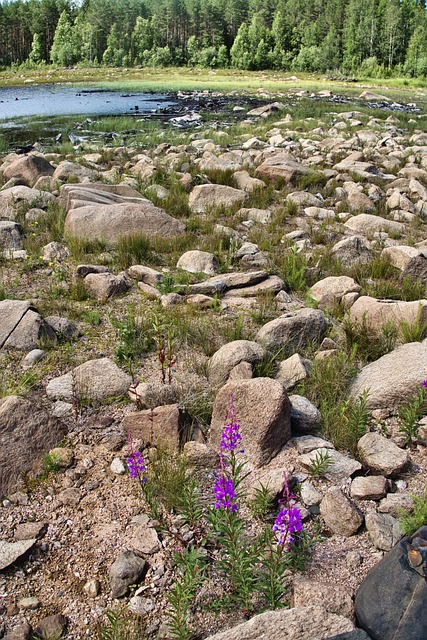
(294, 270)
(121, 625)
(312, 179)
(411, 521)
(321, 462)
(415, 332)
(411, 412)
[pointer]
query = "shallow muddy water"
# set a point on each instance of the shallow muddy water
(58, 100)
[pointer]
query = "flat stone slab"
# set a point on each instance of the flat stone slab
(12, 551)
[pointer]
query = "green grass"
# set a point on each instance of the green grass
(411, 521)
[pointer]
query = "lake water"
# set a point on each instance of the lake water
(57, 100)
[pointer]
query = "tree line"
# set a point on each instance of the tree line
(374, 37)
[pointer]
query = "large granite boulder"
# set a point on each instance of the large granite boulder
(28, 169)
(229, 356)
(263, 408)
(394, 378)
(207, 196)
(26, 432)
(282, 166)
(293, 330)
(115, 221)
(299, 623)
(391, 601)
(379, 313)
(74, 196)
(13, 198)
(22, 327)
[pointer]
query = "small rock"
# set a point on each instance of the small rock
(383, 529)
(118, 467)
(30, 602)
(127, 569)
(381, 455)
(92, 588)
(52, 626)
(12, 551)
(28, 530)
(340, 514)
(368, 488)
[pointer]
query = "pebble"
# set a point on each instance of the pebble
(118, 467)
(31, 602)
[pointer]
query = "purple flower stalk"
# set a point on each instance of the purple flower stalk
(230, 436)
(136, 466)
(425, 383)
(288, 521)
(225, 494)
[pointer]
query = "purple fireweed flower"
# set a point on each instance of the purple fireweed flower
(288, 521)
(136, 466)
(425, 383)
(225, 494)
(230, 436)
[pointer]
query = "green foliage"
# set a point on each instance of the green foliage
(321, 462)
(411, 521)
(135, 336)
(368, 345)
(190, 565)
(121, 625)
(344, 420)
(410, 414)
(261, 502)
(131, 250)
(416, 331)
(294, 270)
(50, 463)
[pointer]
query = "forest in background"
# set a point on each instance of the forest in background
(377, 38)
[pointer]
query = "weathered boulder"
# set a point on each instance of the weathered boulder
(11, 236)
(381, 455)
(230, 355)
(293, 370)
(198, 262)
(340, 467)
(368, 224)
(52, 627)
(333, 597)
(263, 408)
(207, 196)
(416, 269)
(162, 425)
(77, 172)
(73, 196)
(21, 326)
(299, 623)
(351, 250)
(391, 600)
(28, 169)
(26, 432)
(126, 570)
(115, 221)
(245, 182)
(281, 166)
(11, 200)
(368, 487)
(383, 529)
(305, 417)
(12, 551)
(400, 256)
(333, 289)
(293, 330)
(393, 378)
(55, 251)
(304, 199)
(379, 313)
(145, 274)
(339, 513)
(103, 286)
(93, 380)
